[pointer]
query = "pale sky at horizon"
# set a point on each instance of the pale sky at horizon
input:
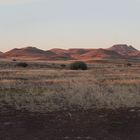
(69, 23)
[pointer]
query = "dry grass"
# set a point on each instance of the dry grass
(104, 86)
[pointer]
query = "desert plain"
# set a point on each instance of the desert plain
(48, 101)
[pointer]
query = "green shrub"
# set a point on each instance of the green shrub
(14, 60)
(78, 65)
(22, 64)
(129, 64)
(63, 65)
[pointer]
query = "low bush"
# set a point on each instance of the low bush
(22, 64)
(63, 65)
(14, 60)
(78, 65)
(129, 64)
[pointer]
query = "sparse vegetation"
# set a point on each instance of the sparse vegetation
(14, 60)
(46, 90)
(78, 65)
(63, 65)
(22, 64)
(129, 64)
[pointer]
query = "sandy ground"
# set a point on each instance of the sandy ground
(121, 124)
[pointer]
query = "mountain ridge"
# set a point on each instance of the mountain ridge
(115, 52)
(123, 49)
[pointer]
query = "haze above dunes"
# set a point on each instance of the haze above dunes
(119, 51)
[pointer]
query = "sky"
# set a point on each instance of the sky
(66, 24)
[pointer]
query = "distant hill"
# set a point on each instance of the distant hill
(124, 49)
(118, 51)
(137, 54)
(70, 53)
(59, 51)
(100, 53)
(1, 54)
(25, 52)
(61, 54)
(78, 51)
(29, 52)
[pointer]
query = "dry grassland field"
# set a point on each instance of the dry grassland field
(46, 100)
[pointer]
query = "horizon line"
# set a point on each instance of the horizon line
(64, 48)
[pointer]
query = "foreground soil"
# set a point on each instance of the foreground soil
(121, 124)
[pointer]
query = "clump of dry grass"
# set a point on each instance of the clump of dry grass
(52, 90)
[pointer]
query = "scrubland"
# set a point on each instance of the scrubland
(53, 89)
